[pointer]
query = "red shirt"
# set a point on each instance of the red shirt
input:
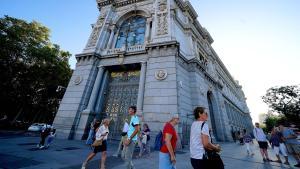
(170, 130)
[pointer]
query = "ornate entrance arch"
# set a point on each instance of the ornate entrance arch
(212, 113)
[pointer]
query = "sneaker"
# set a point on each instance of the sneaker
(297, 165)
(42, 147)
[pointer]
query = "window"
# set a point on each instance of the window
(132, 32)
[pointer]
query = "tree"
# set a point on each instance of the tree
(284, 100)
(31, 69)
(272, 120)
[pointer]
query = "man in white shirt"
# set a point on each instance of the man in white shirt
(262, 142)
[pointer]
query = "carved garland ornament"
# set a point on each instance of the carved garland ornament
(96, 31)
(162, 18)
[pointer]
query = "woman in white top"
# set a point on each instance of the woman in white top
(200, 139)
(101, 134)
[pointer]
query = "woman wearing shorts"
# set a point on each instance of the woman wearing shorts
(101, 134)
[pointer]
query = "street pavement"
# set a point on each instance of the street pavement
(18, 150)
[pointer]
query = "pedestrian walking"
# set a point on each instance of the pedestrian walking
(262, 142)
(237, 135)
(241, 138)
(90, 139)
(291, 142)
(123, 137)
(130, 142)
(44, 134)
(200, 140)
(248, 141)
(233, 136)
(100, 143)
(167, 159)
(145, 138)
(275, 140)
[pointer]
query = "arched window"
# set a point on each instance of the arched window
(132, 32)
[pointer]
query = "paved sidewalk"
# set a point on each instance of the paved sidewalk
(21, 152)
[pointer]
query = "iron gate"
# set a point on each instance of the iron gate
(122, 92)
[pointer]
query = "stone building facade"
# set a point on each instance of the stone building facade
(156, 55)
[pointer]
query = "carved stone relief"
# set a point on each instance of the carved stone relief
(96, 30)
(162, 18)
(207, 48)
(161, 74)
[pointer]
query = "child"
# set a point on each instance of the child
(247, 140)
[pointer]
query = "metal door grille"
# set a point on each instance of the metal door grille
(122, 92)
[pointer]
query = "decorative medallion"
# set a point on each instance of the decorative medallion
(161, 74)
(77, 80)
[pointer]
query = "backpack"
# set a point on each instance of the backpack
(158, 141)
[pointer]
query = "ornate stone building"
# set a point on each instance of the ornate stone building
(156, 55)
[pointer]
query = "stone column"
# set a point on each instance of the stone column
(89, 112)
(93, 97)
(100, 99)
(112, 34)
(114, 40)
(141, 88)
(147, 31)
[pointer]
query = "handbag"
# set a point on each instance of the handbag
(212, 158)
(144, 139)
(97, 143)
(123, 133)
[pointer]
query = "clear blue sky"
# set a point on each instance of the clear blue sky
(258, 40)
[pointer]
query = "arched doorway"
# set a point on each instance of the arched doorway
(212, 113)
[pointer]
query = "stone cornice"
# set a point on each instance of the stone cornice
(86, 55)
(162, 44)
(197, 64)
(206, 74)
(233, 104)
(186, 6)
(116, 3)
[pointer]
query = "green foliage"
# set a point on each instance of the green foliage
(272, 120)
(31, 69)
(284, 100)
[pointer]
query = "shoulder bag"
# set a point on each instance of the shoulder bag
(213, 159)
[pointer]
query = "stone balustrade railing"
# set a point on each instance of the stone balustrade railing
(135, 48)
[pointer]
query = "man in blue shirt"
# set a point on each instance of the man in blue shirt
(134, 128)
(292, 144)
